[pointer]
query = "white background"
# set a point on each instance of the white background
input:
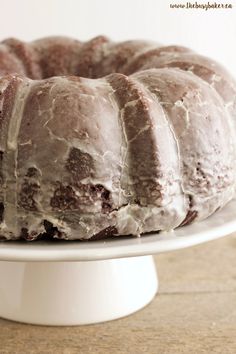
(211, 32)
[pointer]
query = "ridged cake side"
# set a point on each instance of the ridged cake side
(148, 148)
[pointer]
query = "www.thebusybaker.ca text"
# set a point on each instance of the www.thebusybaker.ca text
(203, 6)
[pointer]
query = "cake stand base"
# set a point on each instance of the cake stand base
(75, 293)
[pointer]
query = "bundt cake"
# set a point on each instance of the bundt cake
(104, 138)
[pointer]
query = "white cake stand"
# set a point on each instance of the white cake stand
(73, 283)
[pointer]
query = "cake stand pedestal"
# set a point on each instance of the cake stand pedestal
(75, 293)
(74, 283)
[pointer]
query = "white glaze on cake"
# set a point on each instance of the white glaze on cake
(149, 148)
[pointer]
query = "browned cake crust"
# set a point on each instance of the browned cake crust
(100, 138)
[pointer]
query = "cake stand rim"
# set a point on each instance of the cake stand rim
(220, 224)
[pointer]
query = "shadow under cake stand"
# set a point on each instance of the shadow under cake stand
(75, 283)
